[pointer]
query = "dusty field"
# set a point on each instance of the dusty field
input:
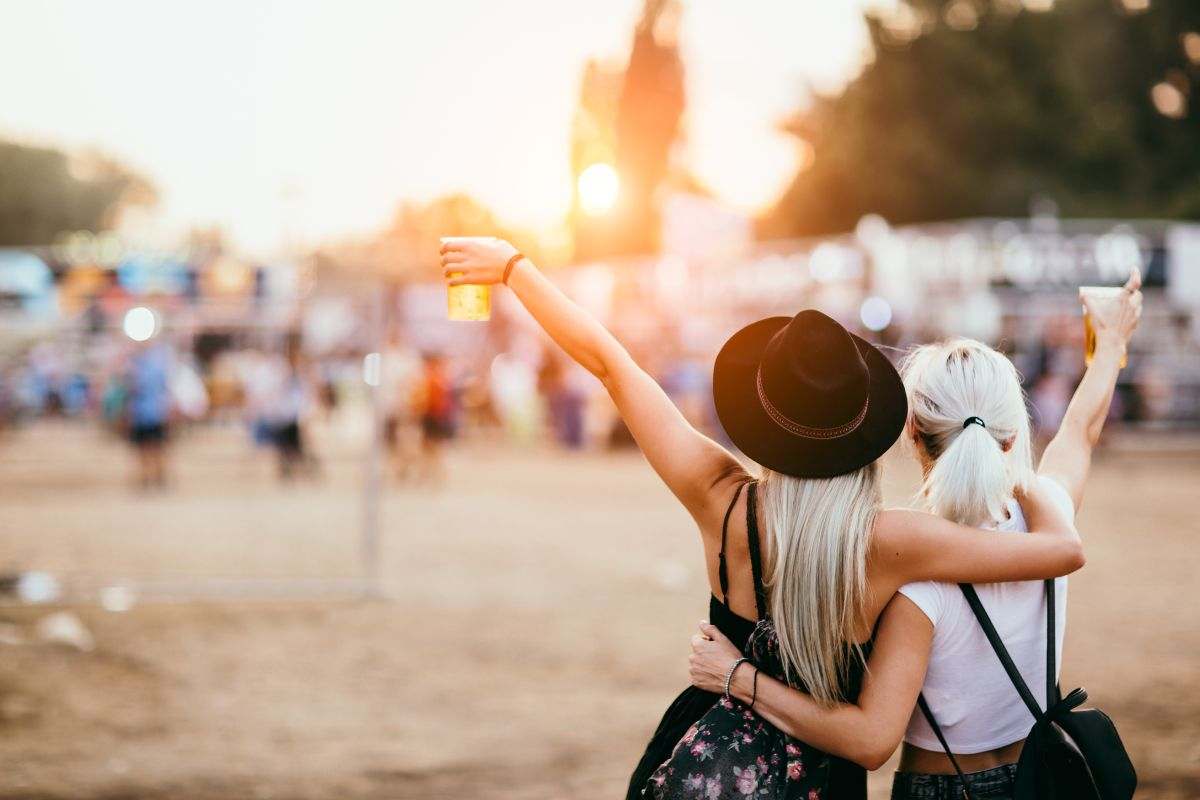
(535, 627)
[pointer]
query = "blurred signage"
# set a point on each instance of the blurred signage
(1007, 253)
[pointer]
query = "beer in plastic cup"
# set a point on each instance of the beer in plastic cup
(468, 301)
(1103, 297)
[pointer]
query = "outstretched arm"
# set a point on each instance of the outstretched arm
(865, 732)
(1068, 457)
(689, 462)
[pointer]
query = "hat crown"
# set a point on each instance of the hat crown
(813, 372)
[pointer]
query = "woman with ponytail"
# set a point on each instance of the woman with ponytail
(802, 562)
(970, 431)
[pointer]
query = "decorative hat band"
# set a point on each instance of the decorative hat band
(807, 431)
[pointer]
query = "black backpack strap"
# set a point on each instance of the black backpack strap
(722, 570)
(1053, 693)
(937, 731)
(997, 643)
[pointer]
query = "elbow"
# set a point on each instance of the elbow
(1080, 559)
(874, 757)
(874, 751)
(1075, 558)
(871, 761)
(602, 373)
(610, 366)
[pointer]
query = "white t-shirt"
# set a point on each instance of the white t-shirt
(967, 689)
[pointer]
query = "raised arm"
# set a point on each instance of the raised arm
(689, 462)
(913, 546)
(865, 732)
(1068, 457)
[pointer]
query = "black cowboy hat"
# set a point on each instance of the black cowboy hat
(805, 397)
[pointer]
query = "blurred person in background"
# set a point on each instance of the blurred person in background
(400, 371)
(564, 401)
(435, 403)
(512, 387)
(7, 401)
(148, 408)
(260, 376)
(287, 404)
(37, 387)
(113, 399)
(833, 557)
(1049, 396)
(971, 434)
(189, 395)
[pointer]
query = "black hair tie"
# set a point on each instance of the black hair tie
(974, 421)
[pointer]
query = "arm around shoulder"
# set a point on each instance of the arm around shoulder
(914, 546)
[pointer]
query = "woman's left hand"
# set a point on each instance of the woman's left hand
(475, 260)
(712, 656)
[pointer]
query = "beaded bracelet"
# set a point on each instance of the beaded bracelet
(729, 677)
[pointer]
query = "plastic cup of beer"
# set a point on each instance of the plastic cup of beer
(471, 302)
(1105, 299)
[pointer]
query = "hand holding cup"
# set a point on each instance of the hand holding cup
(1111, 314)
(468, 266)
(477, 260)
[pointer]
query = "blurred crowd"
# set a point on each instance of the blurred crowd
(516, 388)
(149, 393)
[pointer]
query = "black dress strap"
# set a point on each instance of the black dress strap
(760, 592)
(722, 571)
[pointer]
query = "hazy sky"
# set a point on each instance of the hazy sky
(357, 104)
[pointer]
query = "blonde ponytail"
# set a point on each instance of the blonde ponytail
(977, 465)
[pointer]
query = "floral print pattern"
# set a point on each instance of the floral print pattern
(733, 754)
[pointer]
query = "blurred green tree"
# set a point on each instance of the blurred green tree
(974, 108)
(46, 192)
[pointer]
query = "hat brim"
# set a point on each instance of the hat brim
(753, 431)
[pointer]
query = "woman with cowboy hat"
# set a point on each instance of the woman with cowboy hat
(801, 561)
(969, 427)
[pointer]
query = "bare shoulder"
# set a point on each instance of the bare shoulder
(896, 527)
(904, 539)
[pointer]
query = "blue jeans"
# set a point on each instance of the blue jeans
(990, 784)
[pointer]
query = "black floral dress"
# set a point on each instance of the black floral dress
(731, 752)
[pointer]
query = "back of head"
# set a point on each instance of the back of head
(820, 531)
(968, 412)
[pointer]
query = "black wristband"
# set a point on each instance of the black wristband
(754, 689)
(508, 268)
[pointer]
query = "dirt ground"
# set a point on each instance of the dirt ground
(535, 624)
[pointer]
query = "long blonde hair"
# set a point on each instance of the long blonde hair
(819, 534)
(976, 468)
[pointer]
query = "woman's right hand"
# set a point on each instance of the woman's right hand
(1117, 321)
(712, 656)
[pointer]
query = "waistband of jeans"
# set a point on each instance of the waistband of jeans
(925, 785)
